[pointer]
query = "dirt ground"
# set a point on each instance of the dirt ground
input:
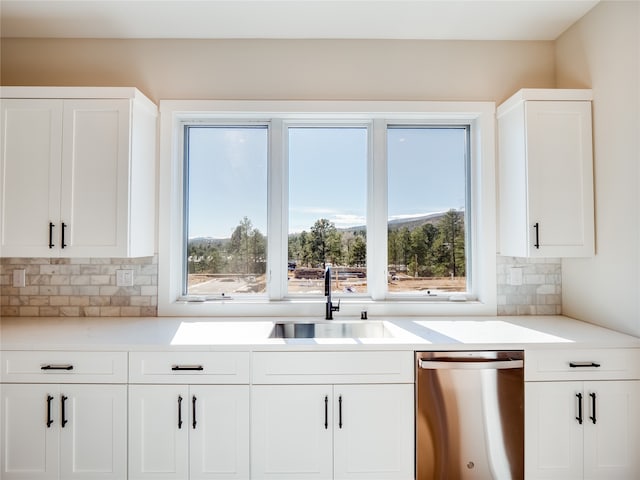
(208, 284)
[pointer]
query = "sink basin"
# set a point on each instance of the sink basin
(332, 329)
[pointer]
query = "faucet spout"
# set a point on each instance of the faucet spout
(329, 307)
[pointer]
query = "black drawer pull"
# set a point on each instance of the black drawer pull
(593, 408)
(583, 364)
(326, 412)
(49, 421)
(193, 405)
(56, 367)
(63, 400)
(536, 226)
(579, 417)
(181, 368)
(51, 225)
(64, 226)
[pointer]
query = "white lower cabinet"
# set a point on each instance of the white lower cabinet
(374, 437)
(582, 430)
(332, 431)
(332, 415)
(68, 431)
(292, 431)
(189, 432)
(189, 415)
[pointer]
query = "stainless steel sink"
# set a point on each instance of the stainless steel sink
(331, 329)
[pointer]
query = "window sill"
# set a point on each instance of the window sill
(349, 308)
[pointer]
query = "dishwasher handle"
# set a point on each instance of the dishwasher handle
(481, 365)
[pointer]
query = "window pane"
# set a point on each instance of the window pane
(426, 227)
(226, 209)
(327, 205)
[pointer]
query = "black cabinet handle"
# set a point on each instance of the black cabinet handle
(326, 412)
(579, 417)
(49, 421)
(583, 364)
(340, 411)
(63, 400)
(193, 405)
(64, 226)
(51, 225)
(593, 408)
(178, 368)
(56, 367)
(179, 411)
(536, 226)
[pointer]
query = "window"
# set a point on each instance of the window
(225, 217)
(428, 173)
(256, 202)
(327, 170)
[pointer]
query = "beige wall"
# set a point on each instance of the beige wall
(602, 51)
(285, 69)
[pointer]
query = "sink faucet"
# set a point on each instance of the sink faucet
(330, 307)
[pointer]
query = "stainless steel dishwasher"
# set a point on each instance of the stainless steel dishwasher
(470, 415)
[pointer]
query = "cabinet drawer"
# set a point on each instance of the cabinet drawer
(64, 367)
(332, 367)
(591, 364)
(189, 367)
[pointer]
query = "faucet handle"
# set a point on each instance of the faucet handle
(336, 308)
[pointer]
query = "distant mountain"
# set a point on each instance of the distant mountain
(415, 222)
(408, 222)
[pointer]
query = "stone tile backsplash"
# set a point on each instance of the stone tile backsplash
(76, 287)
(529, 286)
(87, 287)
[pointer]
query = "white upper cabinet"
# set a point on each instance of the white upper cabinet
(78, 172)
(546, 174)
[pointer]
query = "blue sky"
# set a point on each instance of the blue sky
(327, 176)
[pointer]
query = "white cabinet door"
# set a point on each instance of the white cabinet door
(604, 446)
(31, 150)
(197, 432)
(64, 431)
(373, 432)
(325, 432)
(93, 441)
(553, 436)
(219, 432)
(30, 440)
(291, 432)
(545, 175)
(95, 173)
(612, 430)
(560, 178)
(158, 432)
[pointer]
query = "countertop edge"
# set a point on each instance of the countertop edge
(160, 333)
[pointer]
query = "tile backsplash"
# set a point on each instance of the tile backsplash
(529, 286)
(77, 287)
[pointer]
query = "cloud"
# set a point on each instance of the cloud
(343, 220)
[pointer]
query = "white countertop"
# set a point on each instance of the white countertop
(409, 333)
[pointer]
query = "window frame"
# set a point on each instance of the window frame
(186, 126)
(469, 207)
(174, 114)
(322, 123)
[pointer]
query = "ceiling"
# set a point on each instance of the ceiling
(321, 19)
